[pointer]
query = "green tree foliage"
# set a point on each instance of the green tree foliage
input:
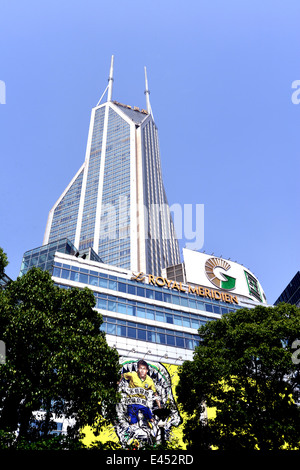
(57, 359)
(3, 262)
(246, 369)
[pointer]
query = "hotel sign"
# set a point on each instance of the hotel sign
(212, 278)
(189, 289)
(208, 271)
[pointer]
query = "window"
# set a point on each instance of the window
(56, 272)
(160, 316)
(141, 291)
(141, 335)
(170, 340)
(121, 287)
(177, 320)
(167, 297)
(65, 274)
(101, 303)
(158, 295)
(149, 294)
(112, 285)
(150, 314)
(112, 305)
(93, 281)
(111, 329)
(59, 426)
(121, 330)
(130, 309)
(103, 283)
(194, 323)
(140, 312)
(83, 278)
(208, 307)
(186, 322)
(122, 308)
(131, 332)
(179, 342)
(161, 338)
(184, 301)
(131, 289)
(151, 336)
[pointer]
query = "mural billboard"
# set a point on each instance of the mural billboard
(148, 411)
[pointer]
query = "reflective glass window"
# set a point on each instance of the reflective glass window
(141, 335)
(122, 308)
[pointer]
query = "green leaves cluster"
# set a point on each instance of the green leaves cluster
(243, 369)
(57, 359)
(3, 262)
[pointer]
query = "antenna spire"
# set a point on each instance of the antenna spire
(147, 93)
(110, 82)
(110, 79)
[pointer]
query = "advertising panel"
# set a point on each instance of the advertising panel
(148, 412)
(218, 273)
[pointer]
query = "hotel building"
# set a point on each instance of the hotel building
(103, 233)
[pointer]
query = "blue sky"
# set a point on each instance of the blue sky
(220, 75)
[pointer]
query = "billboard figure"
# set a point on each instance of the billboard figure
(146, 398)
(140, 379)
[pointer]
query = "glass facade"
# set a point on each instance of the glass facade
(65, 215)
(96, 209)
(114, 240)
(291, 293)
(161, 242)
(152, 334)
(127, 297)
(43, 257)
(87, 228)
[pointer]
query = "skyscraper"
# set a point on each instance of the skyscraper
(111, 231)
(291, 294)
(116, 203)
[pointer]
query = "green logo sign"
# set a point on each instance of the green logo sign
(210, 266)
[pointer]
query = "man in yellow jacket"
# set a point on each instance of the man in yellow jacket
(140, 380)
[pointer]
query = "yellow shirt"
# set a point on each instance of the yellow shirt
(135, 381)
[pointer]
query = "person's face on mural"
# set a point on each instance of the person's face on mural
(142, 372)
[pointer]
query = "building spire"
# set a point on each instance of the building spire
(110, 79)
(147, 93)
(110, 82)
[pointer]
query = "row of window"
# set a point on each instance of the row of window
(96, 279)
(149, 312)
(127, 329)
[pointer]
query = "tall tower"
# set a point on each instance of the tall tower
(116, 202)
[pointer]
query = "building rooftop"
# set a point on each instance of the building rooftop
(136, 114)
